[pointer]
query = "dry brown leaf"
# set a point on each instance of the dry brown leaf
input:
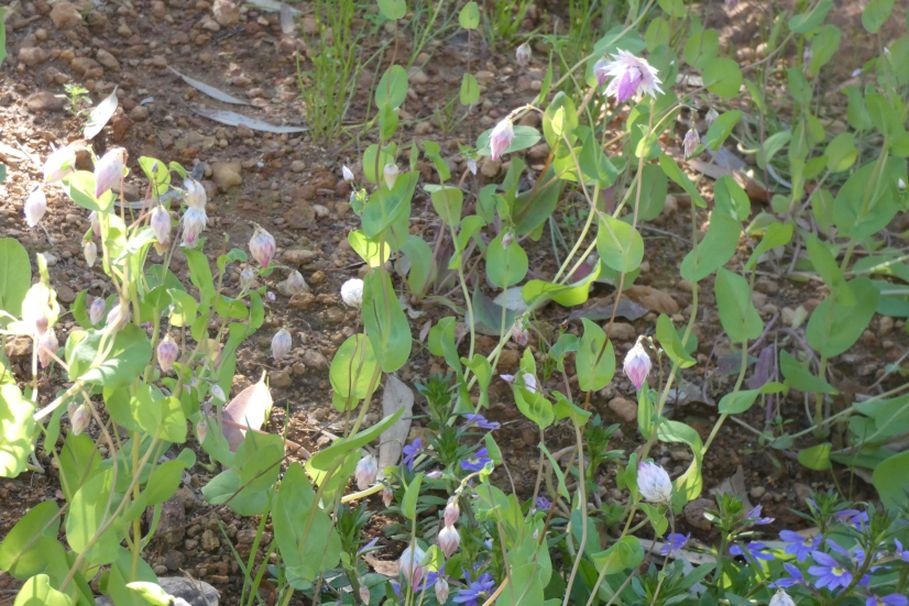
(396, 396)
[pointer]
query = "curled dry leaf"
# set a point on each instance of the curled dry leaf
(397, 395)
(248, 410)
(234, 119)
(101, 115)
(208, 89)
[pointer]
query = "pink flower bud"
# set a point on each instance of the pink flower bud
(691, 142)
(390, 173)
(35, 207)
(411, 565)
(281, 344)
(449, 539)
(637, 365)
(352, 292)
(168, 352)
(96, 311)
(262, 246)
(109, 170)
(388, 496)
(59, 164)
(522, 54)
(47, 347)
(159, 220)
(441, 589)
(36, 310)
(367, 470)
(500, 139)
(118, 316)
(194, 220)
(90, 251)
(80, 418)
(654, 483)
(196, 196)
(452, 512)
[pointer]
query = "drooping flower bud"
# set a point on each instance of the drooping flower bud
(59, 164)
(295, 284)
(529, 381)
(159, 220)
(411, 565)
(80, 418)
(47, 348)
(441, 588)
(36, 310)
(196, 196)
(637, 365)
(90, 251)
(194, 220)
(367, 470)
(654, 483)
(262, 246)
(35, 207)
(118, 316)
(522, 54)
(449, 540)
(711, 116)
(352, 292)
(472, 166)
(691, 142)
(347, 174)
(281, 344)
(435, 474)
(168, 352)
(247, 278)
(452, 512)
(201, 430)
(500, 138)
(601, 71)
(109, 170)
(781, 598)
(390, 173)
(96, 311)
(217, 393)
(388, 496)
(96, 225)
(364, 592)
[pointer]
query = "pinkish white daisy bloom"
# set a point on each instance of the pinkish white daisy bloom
(629, 76)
